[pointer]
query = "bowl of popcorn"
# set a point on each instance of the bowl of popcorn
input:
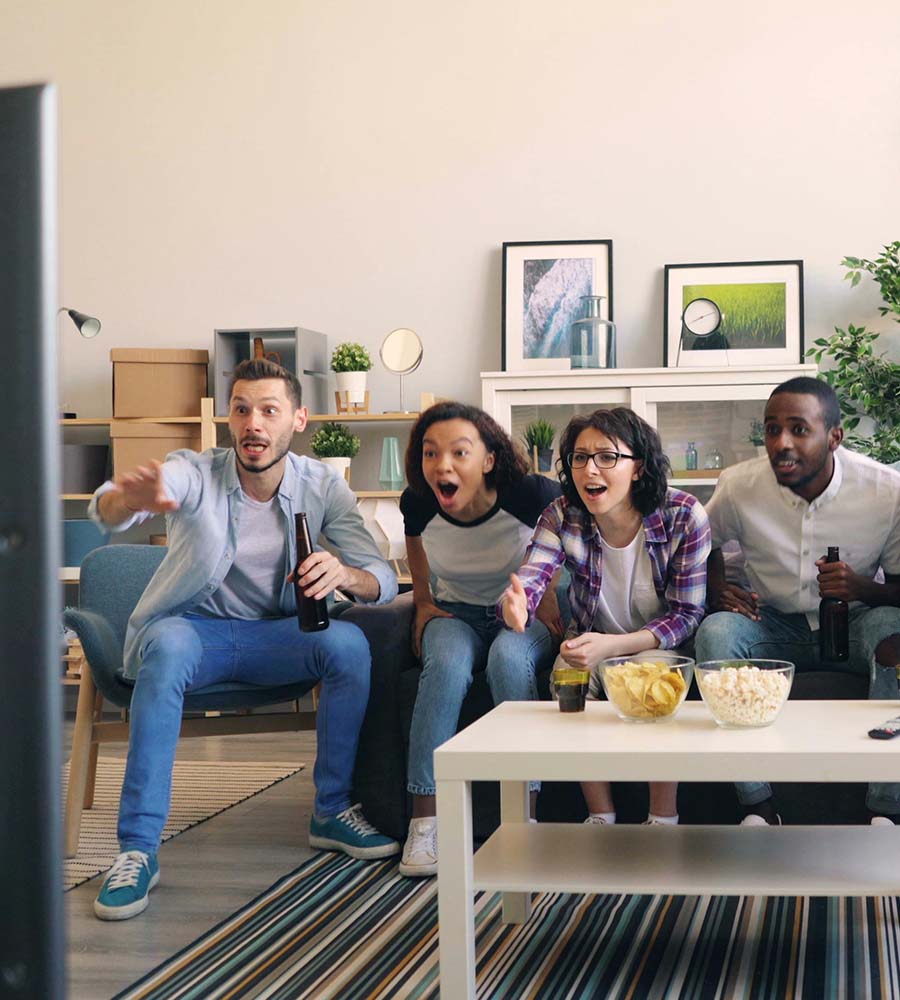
(646, 687)
(745, 694)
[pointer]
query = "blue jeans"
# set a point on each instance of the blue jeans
(727, 635)
(453, 649)
(182, 654)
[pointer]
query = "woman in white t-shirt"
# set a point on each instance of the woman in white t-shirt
(636, 553)
(469, 513)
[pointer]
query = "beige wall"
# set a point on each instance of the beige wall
(354, 166)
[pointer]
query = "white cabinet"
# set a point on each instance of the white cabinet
(712, 407)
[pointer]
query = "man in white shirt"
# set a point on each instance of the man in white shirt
(785, 511)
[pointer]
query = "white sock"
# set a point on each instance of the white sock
(609, 818)
(665, 820)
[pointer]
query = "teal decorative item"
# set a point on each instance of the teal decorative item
(391, 474)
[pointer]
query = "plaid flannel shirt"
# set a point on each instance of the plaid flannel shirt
(678, 542)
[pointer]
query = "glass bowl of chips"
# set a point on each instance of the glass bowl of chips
(745, 694)
(648, 686)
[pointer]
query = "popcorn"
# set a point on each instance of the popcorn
(744, 696)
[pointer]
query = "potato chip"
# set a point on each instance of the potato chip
(646, 690)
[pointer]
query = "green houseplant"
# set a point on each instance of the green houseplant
(335, 445)
(350, 357)
(539, 434)
(334, 440)
(757, 435)
(867, 384)
(350, 362)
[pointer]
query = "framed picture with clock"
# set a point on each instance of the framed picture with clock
(743, 313)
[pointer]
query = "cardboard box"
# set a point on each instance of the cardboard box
(135, 444)
(158, 383)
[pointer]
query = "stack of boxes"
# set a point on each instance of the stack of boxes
(155, 383)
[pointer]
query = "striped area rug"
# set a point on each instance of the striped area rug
(338, 928)
(200, 790)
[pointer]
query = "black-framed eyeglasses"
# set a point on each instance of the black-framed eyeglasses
(602, 459)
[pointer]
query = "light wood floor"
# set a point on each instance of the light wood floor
(206, 873)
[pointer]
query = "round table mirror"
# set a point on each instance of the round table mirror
(401, 353)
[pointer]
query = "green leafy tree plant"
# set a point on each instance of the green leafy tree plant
(334, 440)
(867, 384)
(350, 357)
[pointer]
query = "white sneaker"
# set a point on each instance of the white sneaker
(420, 850)
(595, 821)
(754, 819)
(880, 821)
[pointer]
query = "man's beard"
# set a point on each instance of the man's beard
(283, 447)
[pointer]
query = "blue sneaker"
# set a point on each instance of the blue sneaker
(351, 833)
(127, 886)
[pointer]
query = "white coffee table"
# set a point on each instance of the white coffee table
(522, 741)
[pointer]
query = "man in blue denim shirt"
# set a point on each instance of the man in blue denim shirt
(221, 607)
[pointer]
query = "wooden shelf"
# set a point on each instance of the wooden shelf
(377, 494)
(106, 421)
(76, 496)
(349, 418)
(692, 475)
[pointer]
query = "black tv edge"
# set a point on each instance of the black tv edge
(31, 923)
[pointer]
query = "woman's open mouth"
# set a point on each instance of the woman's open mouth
(447, 490)
(594, 491)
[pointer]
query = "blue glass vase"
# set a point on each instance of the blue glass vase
(592, 340)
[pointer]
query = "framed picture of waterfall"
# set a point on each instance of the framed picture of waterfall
(544, 289)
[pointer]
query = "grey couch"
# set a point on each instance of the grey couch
(380, 778)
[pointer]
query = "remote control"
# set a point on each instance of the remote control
(887, 730)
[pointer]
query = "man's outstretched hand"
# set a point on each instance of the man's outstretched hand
(141, 489)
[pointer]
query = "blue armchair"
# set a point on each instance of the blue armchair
(112, 580)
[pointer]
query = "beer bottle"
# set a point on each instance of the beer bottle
(834, 621)
(312, 613)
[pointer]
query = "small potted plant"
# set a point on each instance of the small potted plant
(350, 362)
(335, 445)
(538, 437)
(757, 436)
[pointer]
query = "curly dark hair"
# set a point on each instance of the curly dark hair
(255, 369)
(510, 465)
(637, 436)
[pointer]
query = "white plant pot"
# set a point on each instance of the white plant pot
(354, 384)
(340, 466)
(761, 450)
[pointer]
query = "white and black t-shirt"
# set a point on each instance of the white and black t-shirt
(470, 562)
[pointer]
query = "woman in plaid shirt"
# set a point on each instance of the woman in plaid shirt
(635, 551)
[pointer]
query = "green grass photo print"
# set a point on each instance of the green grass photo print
(761, 307)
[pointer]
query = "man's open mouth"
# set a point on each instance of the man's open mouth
(447, 490)
(254, 447)
(786, 464)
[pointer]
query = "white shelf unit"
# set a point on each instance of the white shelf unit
(712, 407)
